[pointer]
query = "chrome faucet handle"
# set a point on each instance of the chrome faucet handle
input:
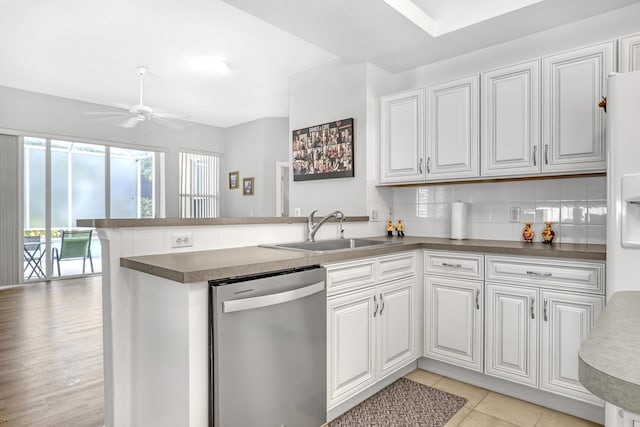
(310, 218)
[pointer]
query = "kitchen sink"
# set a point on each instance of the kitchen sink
(335, 245)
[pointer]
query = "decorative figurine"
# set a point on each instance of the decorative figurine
(548, 234)
(527, 233)
(400, 228)
(390, 228)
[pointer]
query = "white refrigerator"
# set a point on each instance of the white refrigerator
(623, 189)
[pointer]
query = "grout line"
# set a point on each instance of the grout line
(465, 417)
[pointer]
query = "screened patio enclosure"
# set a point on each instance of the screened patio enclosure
(65, 181)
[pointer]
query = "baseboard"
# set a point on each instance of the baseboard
(336, 411)
(549, 400)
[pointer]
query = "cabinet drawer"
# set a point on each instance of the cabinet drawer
(454, 264)
(396, 266)
(549, 273)
(350, 275)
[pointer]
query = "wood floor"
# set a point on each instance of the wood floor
(51, 354)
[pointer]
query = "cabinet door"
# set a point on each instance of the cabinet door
(511, 120)
(566, 322)
(396, 324)
(453, 132)
(453, 329)
(402, 137)
(630, 53)
(573, 125)
(511, 346)
(350, 345)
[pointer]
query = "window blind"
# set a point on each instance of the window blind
(10, 211)
(199, 185)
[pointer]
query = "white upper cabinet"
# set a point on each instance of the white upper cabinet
(402, 137)
(573, 125)
(453, 132)
(510, 108)
(629, 53)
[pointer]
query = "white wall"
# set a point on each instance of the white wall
(34, 113)
(592, 30)
(253, 149)
(379, 199)
(338, 91)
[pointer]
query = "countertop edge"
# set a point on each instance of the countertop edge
(607, 387)
(491, 247)
(608, 365)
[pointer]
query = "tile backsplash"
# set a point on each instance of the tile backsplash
(577, 207)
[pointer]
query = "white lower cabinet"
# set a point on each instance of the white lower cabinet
(453, 327)
(527, 328)
(567, 319)
(396, 325)
(511, 347)
(351, 345)
(371, 331)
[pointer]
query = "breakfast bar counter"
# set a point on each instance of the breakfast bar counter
(609, 365)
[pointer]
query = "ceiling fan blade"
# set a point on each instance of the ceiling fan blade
(130, 123)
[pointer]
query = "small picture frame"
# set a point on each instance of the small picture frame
(247, 186)
(234, 180)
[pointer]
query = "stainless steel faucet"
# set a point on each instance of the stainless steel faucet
(313, 228)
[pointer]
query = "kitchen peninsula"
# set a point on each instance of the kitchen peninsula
(155, 299)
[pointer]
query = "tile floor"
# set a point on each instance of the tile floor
(485, 408)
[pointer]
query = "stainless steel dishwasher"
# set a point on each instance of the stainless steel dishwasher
(268, 350)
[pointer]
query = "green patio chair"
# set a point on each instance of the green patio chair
(75, 244)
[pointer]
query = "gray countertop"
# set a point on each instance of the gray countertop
(609, 359)
(188, 267)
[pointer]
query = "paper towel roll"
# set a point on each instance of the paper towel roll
(458, 220)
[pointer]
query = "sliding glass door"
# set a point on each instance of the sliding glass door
(65, 181)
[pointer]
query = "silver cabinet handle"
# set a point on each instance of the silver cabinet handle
(420, 166)
(375, 301)
(533, 301)
(545, 310)
(382, 301)
(445, 264)
(477, 299)
(429, 164)
(535, 273)
(546, 154)
(273, 299)
(535, 152)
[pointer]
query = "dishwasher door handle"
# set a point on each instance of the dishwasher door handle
(272, 299)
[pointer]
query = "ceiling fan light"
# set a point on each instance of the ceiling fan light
(208, 63)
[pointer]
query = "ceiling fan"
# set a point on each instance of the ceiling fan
(140, 112)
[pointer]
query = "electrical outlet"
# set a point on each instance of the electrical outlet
(373, 216)
(514, 214)
(181, 240)
(296, 211)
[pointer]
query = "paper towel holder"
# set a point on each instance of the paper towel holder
(458, 220)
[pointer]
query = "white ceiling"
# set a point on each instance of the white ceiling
(89, 49)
